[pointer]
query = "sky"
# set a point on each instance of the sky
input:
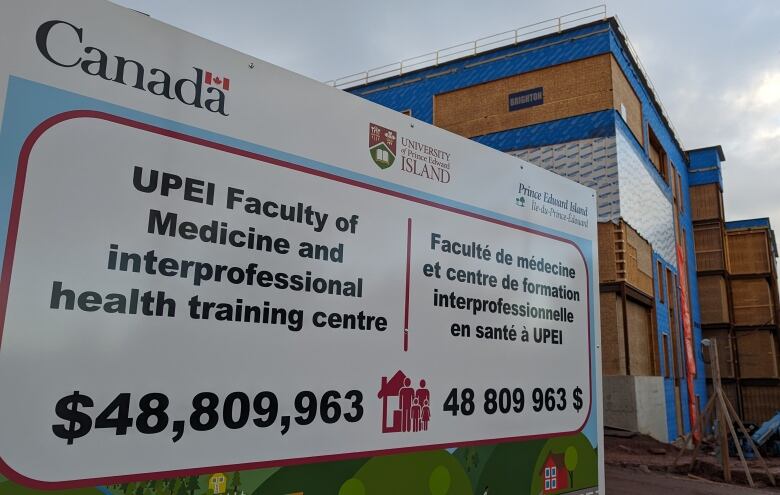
(715, 64)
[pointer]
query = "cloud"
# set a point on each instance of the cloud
(768, 92)
(761, 94)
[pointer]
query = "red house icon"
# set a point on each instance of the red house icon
(553, 474)
(391, 389)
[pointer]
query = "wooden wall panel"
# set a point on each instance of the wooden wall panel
(641, 348)
(760, 402)
(706, 202)
(607, 255)
(709, 242)
(624, 256)
(725, 352)
(623, 93)
(713, 301)
(640, 345)
(757, 354)
(749, 252)
(574, 88)
(639, 261)
(752, 301)
(613, 355)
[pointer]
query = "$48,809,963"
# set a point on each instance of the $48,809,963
(237, 410)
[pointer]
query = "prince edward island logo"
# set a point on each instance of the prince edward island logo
(381, 145)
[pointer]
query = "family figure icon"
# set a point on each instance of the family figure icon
(409, 407)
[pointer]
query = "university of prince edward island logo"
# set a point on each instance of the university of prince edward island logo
(381, 145)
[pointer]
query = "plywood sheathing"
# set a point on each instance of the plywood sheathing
(706, 202)
(713, 301)
(753, 302)
(749, 252)
(574, 88)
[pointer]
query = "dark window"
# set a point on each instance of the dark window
(671, 289)
(680, 202)
(667, 358)
(657, 154)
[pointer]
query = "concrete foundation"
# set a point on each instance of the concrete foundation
(636, 403)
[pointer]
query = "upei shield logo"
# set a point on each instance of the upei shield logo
(381, 145)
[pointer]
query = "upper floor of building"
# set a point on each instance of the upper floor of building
(555, 88)
(576, 101)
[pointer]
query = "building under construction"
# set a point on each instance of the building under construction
(570, 95)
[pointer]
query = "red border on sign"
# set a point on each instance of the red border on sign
(5, 281)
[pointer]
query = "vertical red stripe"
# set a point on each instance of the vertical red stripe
(226, 84)
(408, 272)
(208, 77)
(690, 356)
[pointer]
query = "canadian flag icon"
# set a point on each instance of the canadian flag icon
(214, 80)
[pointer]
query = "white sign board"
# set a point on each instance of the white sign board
(213, 263)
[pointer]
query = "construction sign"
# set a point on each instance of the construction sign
(208, 286)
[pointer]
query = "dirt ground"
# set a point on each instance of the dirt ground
(632, 481)
(641, 465)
